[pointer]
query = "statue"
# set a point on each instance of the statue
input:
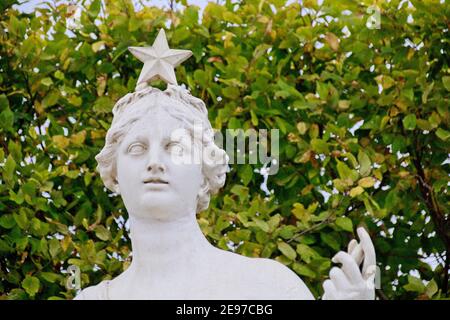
(172, 259)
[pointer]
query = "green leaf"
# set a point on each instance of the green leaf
(409, 122)
(431, 288)
(6, 119)
(306, 253)
(414, 284)
(345, 172)
(344, 223)
(442, 134)
(330, 240)
(31, 285)
(246, 174)
(54, 247)
(17, 294)
(303, 270)
(240, 191)
(103, 105)
(231, 92)
(50, 276)
(264, 226)
(287, 232)
(7, 221)
(51, 99)
(17, 27)
(322, 90)
(15, 149)
(365, 163)
(102, 233)
(427, 92)
(21, 219)
(446, 82)
(287, 250)
(47, 81)
(9, 168)
(59, 75)
(94, 8)
(4, 103)
(4, 247)
(319, 146)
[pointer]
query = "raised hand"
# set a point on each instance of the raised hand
(349, 282)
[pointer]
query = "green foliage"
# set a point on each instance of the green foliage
(259, 64)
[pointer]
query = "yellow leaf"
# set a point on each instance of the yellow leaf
(302, 127)
(403, 174)
(301, 213)
(385, 81)
(78, 138)
(66, 242)
(356, 191)
(312, 207)
(101, 84)
(60, 141)
(97, 134)
(332, 40)
(377, 173)
(305, 157)
(344, 104)
(97, 46)
(76, 101)
(366, 182)
(342, 184)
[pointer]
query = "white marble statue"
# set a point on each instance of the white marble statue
(171, 258)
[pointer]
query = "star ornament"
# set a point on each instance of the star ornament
(159, 60)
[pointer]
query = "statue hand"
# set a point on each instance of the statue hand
(348, 282)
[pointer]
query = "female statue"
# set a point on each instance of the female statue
(152, 134)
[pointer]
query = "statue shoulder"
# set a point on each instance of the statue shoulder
(288, 285)
(265, 278)
(97, 292)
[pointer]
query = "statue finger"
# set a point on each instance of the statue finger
(330, 291)
(351, 246)
(349, 266)
(358, 254)
(369, 251)
(339, 279)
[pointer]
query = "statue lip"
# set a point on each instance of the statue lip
(155, 181)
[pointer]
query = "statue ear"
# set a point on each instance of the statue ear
(204, 185)
(203, 188)
(116, 186)
(202, 195)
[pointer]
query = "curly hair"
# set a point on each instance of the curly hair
(178, 103)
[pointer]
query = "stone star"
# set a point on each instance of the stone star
(159, 60)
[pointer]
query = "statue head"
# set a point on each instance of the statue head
(147, 153)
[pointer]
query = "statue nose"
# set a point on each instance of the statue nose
(154, 163)
(155, 167)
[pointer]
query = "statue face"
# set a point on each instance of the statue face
(152, 183)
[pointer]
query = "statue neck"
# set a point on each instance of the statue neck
(166, 246)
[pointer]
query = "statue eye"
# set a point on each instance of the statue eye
(175, 147)
(136, 148)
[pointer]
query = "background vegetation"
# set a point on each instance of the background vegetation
(362, 112)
